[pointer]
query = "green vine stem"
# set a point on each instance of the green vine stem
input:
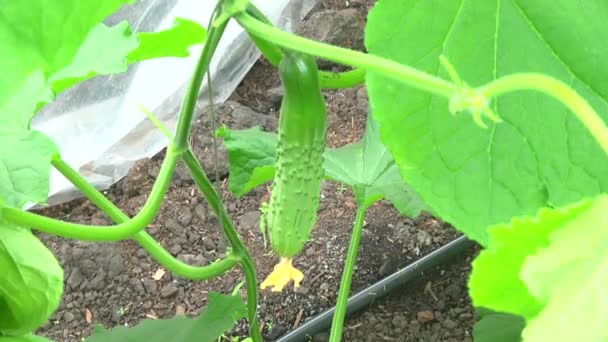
(347, 277)
(274, 54)
(214, 34)
(389, 68)
(238, 248)
(557, 90)
(424, 81)
(142, 237)
(117, 232)
(230, 233)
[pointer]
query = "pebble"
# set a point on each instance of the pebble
(425, 316)
(180, 310)
(174, 226)
(185, 217)
(192, 259)
(200, 212)
(99, 282)
(209, 244)
(75, 278)
(115, 265)
(449, 324)
(149, 285)
(68, 317)
(399, 322)
(169, 290)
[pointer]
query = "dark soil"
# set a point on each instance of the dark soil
(113, 283)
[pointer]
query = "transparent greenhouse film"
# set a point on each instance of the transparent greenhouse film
(99, 126)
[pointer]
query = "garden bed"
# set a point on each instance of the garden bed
(119, 284)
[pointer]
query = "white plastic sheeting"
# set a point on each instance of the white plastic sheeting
(98, 125)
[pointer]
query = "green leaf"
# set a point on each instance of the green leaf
(51, 48)
(550, 269)
(173, 42)
(31, 281)
(35, 36)
(498, 327)
(25, 338)
(366, 166)
(507, 251)
(570, 276)
(220, 316)
(369, 168)
(541, 155)
(102, 53)
(252, 154)
(25, 164)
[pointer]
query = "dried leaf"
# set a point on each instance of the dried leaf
(88, 316)
(159, 274)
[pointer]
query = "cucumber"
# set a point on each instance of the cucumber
(296, 188)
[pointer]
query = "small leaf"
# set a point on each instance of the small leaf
(220, 316)
(173, 42)
(499, 327)
(366, 166)
(31, 281)
(369, 167)
(252, 155)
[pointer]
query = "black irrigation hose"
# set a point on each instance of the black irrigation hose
(380, 289)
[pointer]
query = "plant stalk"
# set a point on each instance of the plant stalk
(189, 104)
(142, 237)
(117, 232)
(388, 68)
(238, 248)
(274, 54)
(347, 277)
(558, 90)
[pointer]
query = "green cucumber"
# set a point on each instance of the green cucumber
(296, 188)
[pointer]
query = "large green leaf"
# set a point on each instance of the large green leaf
(31, 281)
(220, 316)
(550, 269)
(25, 166)
(509, 246)
(37, 35)
(366, 166)
(51, 47)
(570, 276)
(540, 155)
(369, 168)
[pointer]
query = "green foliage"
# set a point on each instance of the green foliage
(498, 327)
(551, 270)
(31, 281)
(366, 166)
(541, 155)
(172, 42)
(252, 154)
(38, 59)
(221, 314)
(369, 168)
(25, 338)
